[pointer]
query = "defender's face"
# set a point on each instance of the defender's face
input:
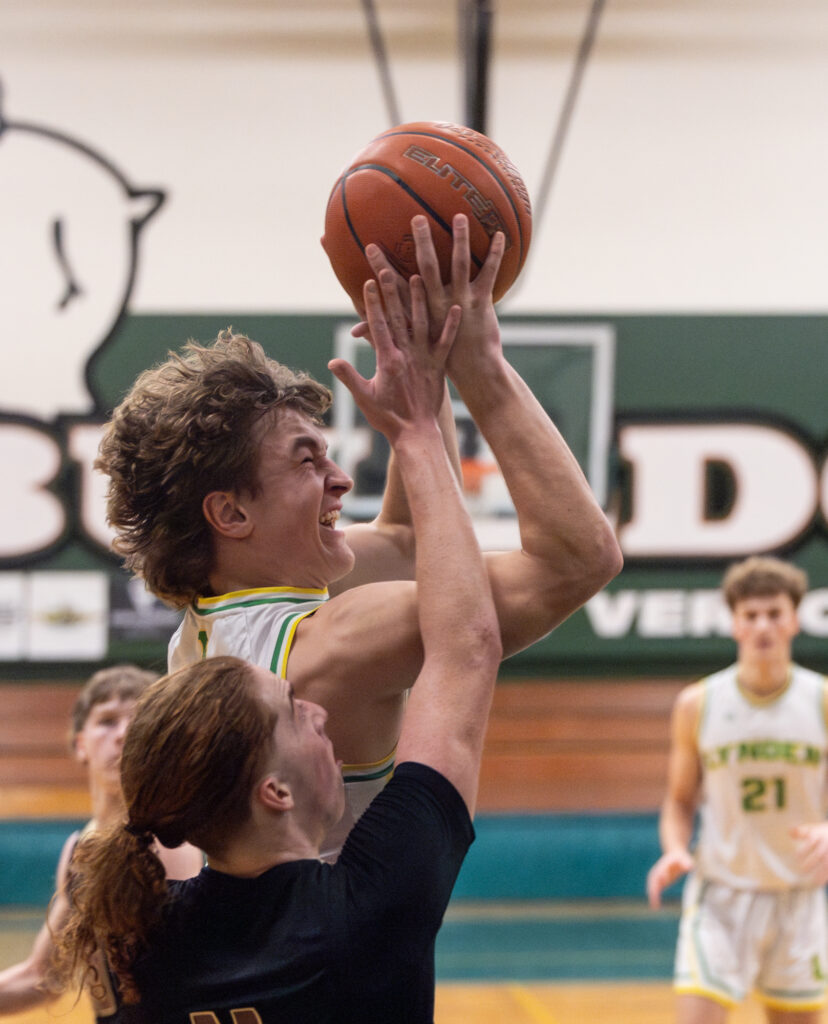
(764, 627)
(304, 753)
(297, 505)
(99, 743)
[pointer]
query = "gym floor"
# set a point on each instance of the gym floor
(503, 964)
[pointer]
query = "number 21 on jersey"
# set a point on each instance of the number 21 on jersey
(763, 794)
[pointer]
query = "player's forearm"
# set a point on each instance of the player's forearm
(675, 826)
(395, 510)
(446, 715)
(22, 987)
(560, 521)
(455, 607)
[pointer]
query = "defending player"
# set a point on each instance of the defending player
(749, 749)
(224, 499)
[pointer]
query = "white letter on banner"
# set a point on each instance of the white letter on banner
(83, 442)
(31, 518)
(776, 489)
(708, 614)
(813, 612)
(662, 613)
(612, 615)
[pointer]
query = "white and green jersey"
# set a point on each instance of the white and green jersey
(259, 626)
(764, 771)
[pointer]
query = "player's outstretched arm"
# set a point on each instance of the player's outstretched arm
(446, 714)
(568, 549)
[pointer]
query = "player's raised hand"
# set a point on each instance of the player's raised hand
(479, 329)
(408, 385)
(479, 335)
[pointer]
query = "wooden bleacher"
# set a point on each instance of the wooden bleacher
(577, 745)
(38, 776)
(552, 746)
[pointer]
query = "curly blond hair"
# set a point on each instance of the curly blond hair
(186, 428)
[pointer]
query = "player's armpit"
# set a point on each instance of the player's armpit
(366, 640)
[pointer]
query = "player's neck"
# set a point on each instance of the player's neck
(766, 677)
(250, 863)
(107, 807)
(232, 579)
(256, 848)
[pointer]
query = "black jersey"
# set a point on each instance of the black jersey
(313, 943)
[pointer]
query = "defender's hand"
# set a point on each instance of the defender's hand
(407, 388)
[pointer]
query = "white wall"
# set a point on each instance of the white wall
(693, 178)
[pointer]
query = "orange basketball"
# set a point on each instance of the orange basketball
(437, 169)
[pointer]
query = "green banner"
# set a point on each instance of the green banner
(704, 437)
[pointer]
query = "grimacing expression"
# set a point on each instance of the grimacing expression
(296, 506)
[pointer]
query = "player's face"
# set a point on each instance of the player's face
(764, 627)
(304, 753)
(295, 510)
(100, 742)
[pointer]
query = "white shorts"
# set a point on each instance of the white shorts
(734, 941)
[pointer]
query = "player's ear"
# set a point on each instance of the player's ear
(79, 748)
(275, 794)
(226, 514)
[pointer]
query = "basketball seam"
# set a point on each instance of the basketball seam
(406, 188)
(487, 166)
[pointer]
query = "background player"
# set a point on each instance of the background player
(748, 748)
(102, 711)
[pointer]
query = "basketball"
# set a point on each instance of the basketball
(437, 169)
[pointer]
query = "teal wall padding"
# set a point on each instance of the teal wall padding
(559, 857)
(515, 857)
(29, 853)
